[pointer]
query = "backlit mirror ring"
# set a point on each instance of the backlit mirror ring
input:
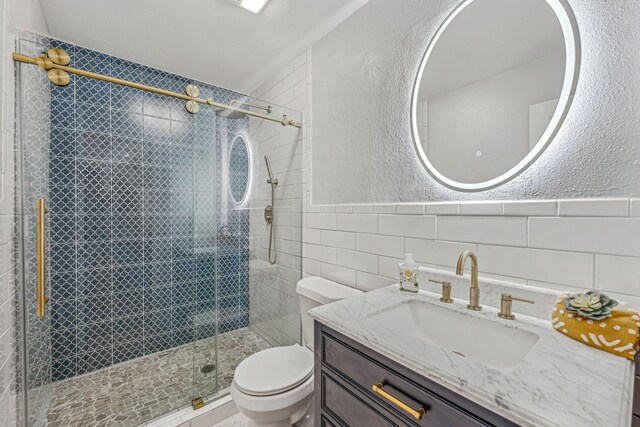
(236, 188)
(572, 58)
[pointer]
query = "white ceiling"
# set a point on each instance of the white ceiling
(209, 40)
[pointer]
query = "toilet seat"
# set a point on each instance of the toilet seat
(274, 371)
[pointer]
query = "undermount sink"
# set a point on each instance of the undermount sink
(488, 342)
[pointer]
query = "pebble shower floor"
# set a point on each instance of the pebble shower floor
(137, 391)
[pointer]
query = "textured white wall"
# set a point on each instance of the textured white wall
(14, 15)
(363, 73)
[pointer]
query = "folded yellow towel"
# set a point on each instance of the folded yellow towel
(617, 333)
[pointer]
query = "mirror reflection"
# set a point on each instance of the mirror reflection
(239, 169)
(489, 87)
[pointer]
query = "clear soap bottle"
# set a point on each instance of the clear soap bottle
(408, 274)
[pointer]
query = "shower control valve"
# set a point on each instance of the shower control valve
(268, 214)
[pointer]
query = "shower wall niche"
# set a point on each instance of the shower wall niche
(136, 206)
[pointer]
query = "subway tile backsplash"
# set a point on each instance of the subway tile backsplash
(529, 243)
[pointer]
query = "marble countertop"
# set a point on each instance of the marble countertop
(560, 382)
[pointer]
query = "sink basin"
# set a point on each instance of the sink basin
(490, 343)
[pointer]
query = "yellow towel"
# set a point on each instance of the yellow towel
(616, 334)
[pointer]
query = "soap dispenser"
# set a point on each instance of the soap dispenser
(408, 274)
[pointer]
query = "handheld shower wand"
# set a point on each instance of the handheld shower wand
(268, 212)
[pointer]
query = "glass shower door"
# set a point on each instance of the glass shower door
(130, 178)
(33, 171)
(205, 232)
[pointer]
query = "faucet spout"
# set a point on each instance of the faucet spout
(474, 291)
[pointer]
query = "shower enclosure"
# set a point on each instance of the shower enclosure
(142, 261)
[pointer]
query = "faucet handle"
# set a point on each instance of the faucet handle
(528, 301)
(446, 290)
(506, 304)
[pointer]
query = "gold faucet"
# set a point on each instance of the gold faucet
(474, 291)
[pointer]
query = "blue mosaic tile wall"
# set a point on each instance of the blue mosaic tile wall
(136, 211)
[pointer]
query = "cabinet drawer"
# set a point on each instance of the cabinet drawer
(365, 372)
(349, 409)
(327, 423)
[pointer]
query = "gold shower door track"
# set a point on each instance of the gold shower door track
(285, 121)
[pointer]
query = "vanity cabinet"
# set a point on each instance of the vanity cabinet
(346, 373)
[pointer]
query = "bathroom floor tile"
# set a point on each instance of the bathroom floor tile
(139, 390)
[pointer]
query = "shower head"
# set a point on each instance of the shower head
(270, 180)
(234, 115)
(230, 114)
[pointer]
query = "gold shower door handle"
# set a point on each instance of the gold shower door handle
(41, 265)
(415, 413)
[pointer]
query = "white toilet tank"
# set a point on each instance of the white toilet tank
(316, 291)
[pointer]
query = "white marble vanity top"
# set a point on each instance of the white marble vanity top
(560, 382)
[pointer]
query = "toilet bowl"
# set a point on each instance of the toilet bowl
(274, 387)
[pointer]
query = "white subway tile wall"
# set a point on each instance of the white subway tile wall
(602, 208)
(273, 305)
(554, 251)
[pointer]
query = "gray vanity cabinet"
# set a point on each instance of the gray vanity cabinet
(345, 375)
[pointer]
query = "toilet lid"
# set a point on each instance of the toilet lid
(274, 370)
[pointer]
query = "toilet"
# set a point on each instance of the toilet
(274, 387)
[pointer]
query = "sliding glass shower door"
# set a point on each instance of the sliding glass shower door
(130, 180)
(154, 232)
(32, 171)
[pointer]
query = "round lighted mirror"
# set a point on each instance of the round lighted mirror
(493, 89)
(239, 169)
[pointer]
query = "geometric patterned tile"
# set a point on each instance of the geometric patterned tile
(136, 200)
(94, 282)
(92, 145)
(128, 227)
(127, 303)
(91, 361)
(128, 329)
(63, 286)
(94, 336)
(63, 343)
(156, 298)
(94, 309)
(183, 294)
(157, 322)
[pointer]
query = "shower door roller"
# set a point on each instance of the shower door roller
(268, 214)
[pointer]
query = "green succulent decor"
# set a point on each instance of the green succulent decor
(592, 305)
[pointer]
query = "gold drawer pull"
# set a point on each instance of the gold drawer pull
(417, 414)
(41, 296)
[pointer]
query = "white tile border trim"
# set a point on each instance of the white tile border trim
(602, 207)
